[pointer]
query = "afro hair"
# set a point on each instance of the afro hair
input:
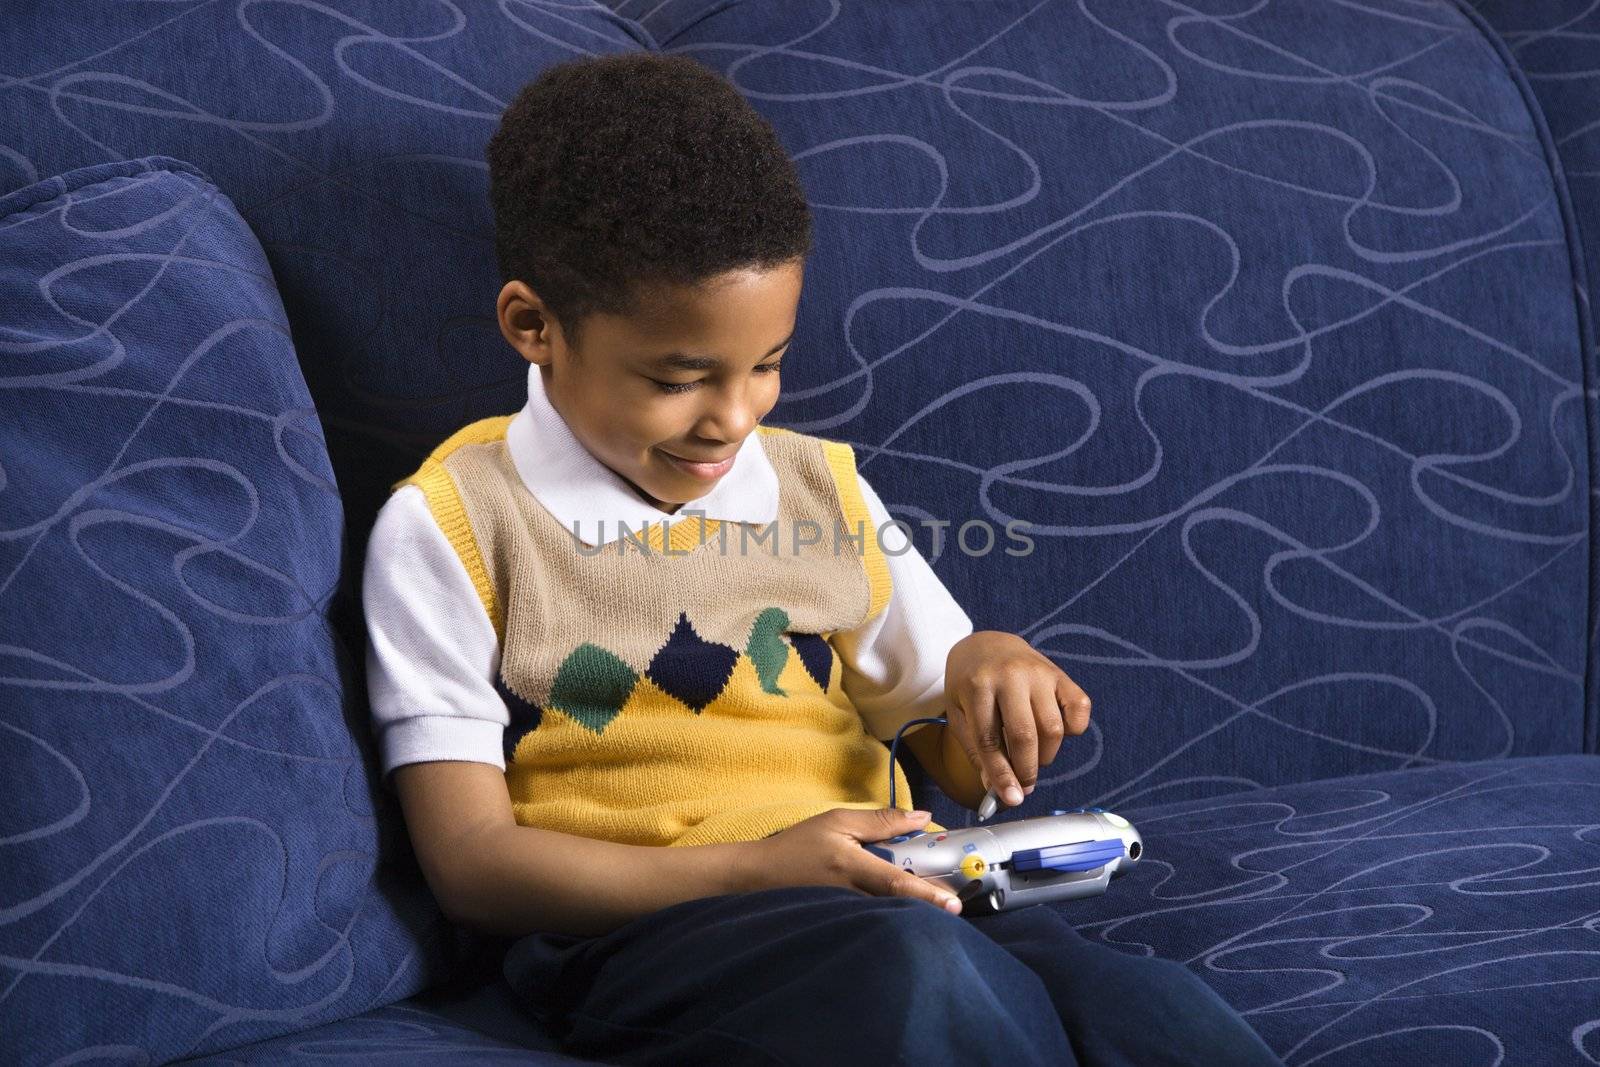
(613, 175)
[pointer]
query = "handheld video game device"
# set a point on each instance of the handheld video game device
(1060, 856)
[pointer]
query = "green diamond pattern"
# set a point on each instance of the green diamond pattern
(592, 685)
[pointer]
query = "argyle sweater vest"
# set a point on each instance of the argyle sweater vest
(675, 686)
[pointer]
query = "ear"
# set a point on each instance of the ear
(524, 322)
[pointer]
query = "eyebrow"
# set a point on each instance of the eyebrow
(688, 361)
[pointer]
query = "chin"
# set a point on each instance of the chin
(692, 499)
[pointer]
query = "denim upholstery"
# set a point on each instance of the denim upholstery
(1273, 320)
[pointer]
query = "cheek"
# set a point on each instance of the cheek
(644, 435)
(621, 443)
(622, 418)
(657, 428)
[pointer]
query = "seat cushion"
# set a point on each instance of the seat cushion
(1444, 914)
(1448, 914)
(456, 1023)
(193, 850)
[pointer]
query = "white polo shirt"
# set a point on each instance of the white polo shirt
(432, 655)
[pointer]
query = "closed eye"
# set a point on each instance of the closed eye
(684, 387)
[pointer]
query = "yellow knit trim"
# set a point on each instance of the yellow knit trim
(683, 535)
(842, 463)
(444, 501)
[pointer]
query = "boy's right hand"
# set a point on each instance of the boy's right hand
(826, 850)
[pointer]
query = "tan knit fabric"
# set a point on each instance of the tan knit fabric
(678, 691)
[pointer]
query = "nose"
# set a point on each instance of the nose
(731, 415)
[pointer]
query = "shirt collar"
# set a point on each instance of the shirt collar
(580, 491)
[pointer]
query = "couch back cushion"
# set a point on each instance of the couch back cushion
(1265, 322)
(190, 852)
(1549, 48)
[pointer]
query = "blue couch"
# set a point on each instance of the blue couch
(1274, 321)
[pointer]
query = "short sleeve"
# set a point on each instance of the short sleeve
(892, 666)
(432, 653)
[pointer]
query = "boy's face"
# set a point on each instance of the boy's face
(612, 393)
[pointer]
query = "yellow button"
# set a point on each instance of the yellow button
(1115, 819)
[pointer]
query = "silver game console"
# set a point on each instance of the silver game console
(993, 868)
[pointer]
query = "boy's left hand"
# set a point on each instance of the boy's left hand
(999, 686)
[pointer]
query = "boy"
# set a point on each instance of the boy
(555, 692)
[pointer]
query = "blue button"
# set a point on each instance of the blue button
(897, 840)
(915, 833)
(1098, 811)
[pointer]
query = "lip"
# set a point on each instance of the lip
(701, 470)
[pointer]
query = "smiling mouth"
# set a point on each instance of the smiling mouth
(703, 469)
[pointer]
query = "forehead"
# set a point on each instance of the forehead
(743, 317)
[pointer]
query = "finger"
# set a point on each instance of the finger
(879, 824)
(987, 735)
(1074, 705)
(884, 879)
(959, 723)
(1047, 716)
(1021, 733)
(866, 825)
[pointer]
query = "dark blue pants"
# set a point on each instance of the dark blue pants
(804, 975)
